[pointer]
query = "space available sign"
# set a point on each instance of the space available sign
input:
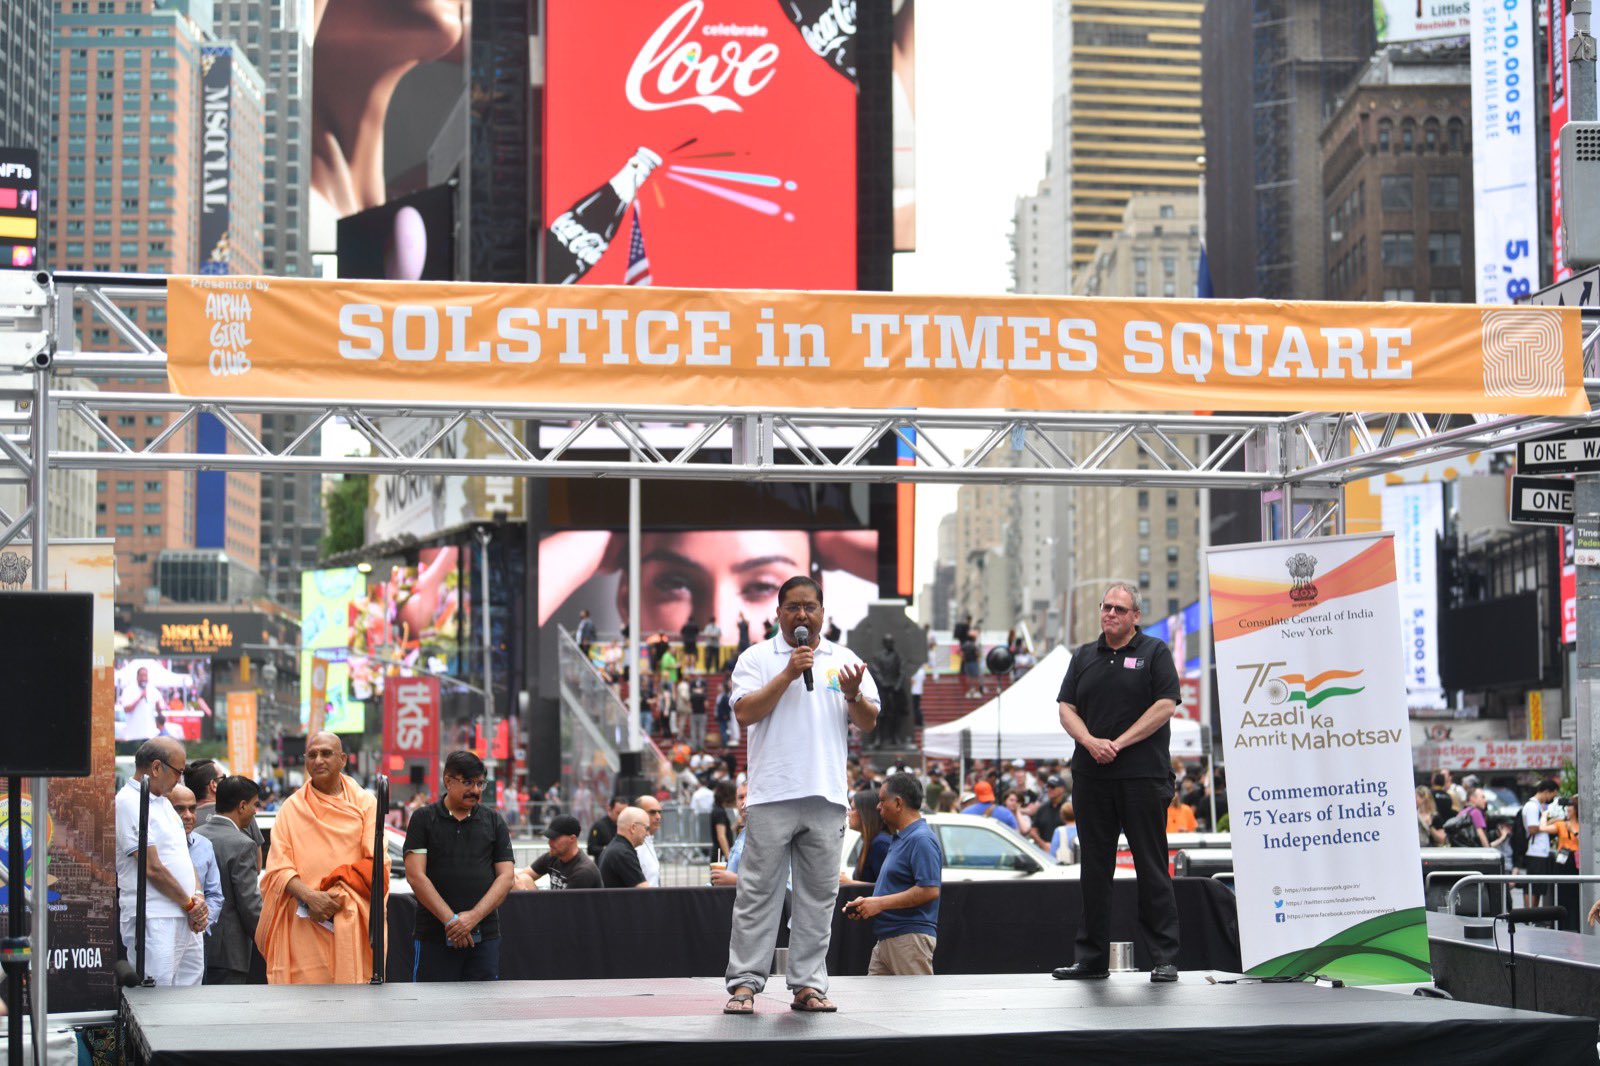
(1415, 515)
(1318, 745)
(216, 146)
(1504, 173)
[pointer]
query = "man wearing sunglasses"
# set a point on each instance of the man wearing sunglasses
(175, 909)
(1116, 701)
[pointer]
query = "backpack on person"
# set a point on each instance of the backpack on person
(1519, 842)
(1460, 832)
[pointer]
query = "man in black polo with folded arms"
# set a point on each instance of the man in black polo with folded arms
(460, 867)
(1116, 701)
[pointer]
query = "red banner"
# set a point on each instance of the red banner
(411, 725)
(700, 142)
(1557, 64)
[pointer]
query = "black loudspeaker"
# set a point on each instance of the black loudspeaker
(47, 662)
(630, 764)
(417, 773)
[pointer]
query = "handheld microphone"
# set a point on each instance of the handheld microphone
(1532, 915)
(803, 635)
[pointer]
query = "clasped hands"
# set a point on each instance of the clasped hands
(458, 930)
(1103, 750)
(199, 916)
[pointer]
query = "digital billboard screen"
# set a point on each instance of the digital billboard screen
(162, 697)
(703, 143)
(699, 574)
(19, 208)
(411, 238)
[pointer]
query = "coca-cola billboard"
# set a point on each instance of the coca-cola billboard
(411, 726)
(702, 143)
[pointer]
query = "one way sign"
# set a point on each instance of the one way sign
(1541, 501)
(1574, 452)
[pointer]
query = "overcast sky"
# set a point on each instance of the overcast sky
(983, 131)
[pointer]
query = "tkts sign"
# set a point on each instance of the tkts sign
(411, 724)
(701, 142)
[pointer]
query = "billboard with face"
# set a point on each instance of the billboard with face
(706, 143)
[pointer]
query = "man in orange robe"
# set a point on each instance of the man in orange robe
(316, 893)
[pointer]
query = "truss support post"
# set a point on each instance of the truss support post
(42, 432)
(1586, 683)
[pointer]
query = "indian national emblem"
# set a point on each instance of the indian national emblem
(1301, 567)
(14, 568)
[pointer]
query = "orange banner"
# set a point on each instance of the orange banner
(352, 340)
(242, 732)
(318, 716)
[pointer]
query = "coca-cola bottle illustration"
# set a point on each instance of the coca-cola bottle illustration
(578, 238)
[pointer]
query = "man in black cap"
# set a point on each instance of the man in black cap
(566, 863)
(1047, 819)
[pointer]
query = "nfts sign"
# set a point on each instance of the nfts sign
(19, 208)
(706, 143)
(411, 722)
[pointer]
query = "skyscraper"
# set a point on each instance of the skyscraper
(130, 155)
(1127, 110)
(25, 74)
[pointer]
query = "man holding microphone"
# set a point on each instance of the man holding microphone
(797, 695)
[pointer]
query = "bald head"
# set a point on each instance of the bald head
(325, 760)
(634, 824)
(182, 799)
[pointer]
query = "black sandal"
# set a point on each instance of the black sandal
(741, 998)
(809, 996)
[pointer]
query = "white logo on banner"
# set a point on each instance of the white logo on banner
(1504, 183)
(1522, 354)
(675, 61)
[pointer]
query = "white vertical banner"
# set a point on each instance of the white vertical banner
(1415, 515)
(1505, 104)
(1318, 745)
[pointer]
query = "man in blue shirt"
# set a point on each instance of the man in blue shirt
(206, 874)
(905, 901)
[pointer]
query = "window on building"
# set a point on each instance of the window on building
(125, 508)
(1144, 499)
(1172, 579)
(153, 507)
(1172, 605)
(1385, 134)
(152, 531)
(1444, 192)
(1169, 265)
(1455, 135)
(1144, 579)
(1172, 527)
(99, 531)
(100, 508)
(1398, 249)
(122, 486)
(155, 421)
(1395, 192)
(1172, 497)
(1168, 211)
(1408, 135)
(152, 486)
(1141, 288)
(1444, 248)
(1144, 527)
(1144, 553)
(1169, 289)
(1141, 265)
(1430, 135)
(125, 530)
(1399, 295)
(1172, 554)
(1444, 296)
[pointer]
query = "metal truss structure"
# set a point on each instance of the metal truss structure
(1298, 462)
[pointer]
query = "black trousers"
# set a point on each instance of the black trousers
(1136, 807)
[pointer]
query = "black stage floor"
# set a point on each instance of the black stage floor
(982, 1018)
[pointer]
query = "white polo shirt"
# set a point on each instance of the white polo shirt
(800, 749)
(166, 835)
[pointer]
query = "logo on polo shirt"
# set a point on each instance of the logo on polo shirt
(1131, 663)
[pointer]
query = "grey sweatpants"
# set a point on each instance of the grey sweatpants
(801, 836)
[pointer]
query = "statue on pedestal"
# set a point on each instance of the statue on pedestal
(889, 673)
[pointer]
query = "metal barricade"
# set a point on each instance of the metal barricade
(1510, 880)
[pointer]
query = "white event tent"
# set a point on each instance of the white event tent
(1023, 723)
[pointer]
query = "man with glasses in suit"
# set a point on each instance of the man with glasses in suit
(1116, 701)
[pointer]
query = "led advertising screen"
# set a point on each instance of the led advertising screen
(701, 143)
(697, 574)
(388, 85)
(162, 697)
(19, 208)
(411, 238)
(408, 622)
(326, 597)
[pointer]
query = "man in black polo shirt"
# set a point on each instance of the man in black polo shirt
(1116, 701)
(459, 865)
(619, 863)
